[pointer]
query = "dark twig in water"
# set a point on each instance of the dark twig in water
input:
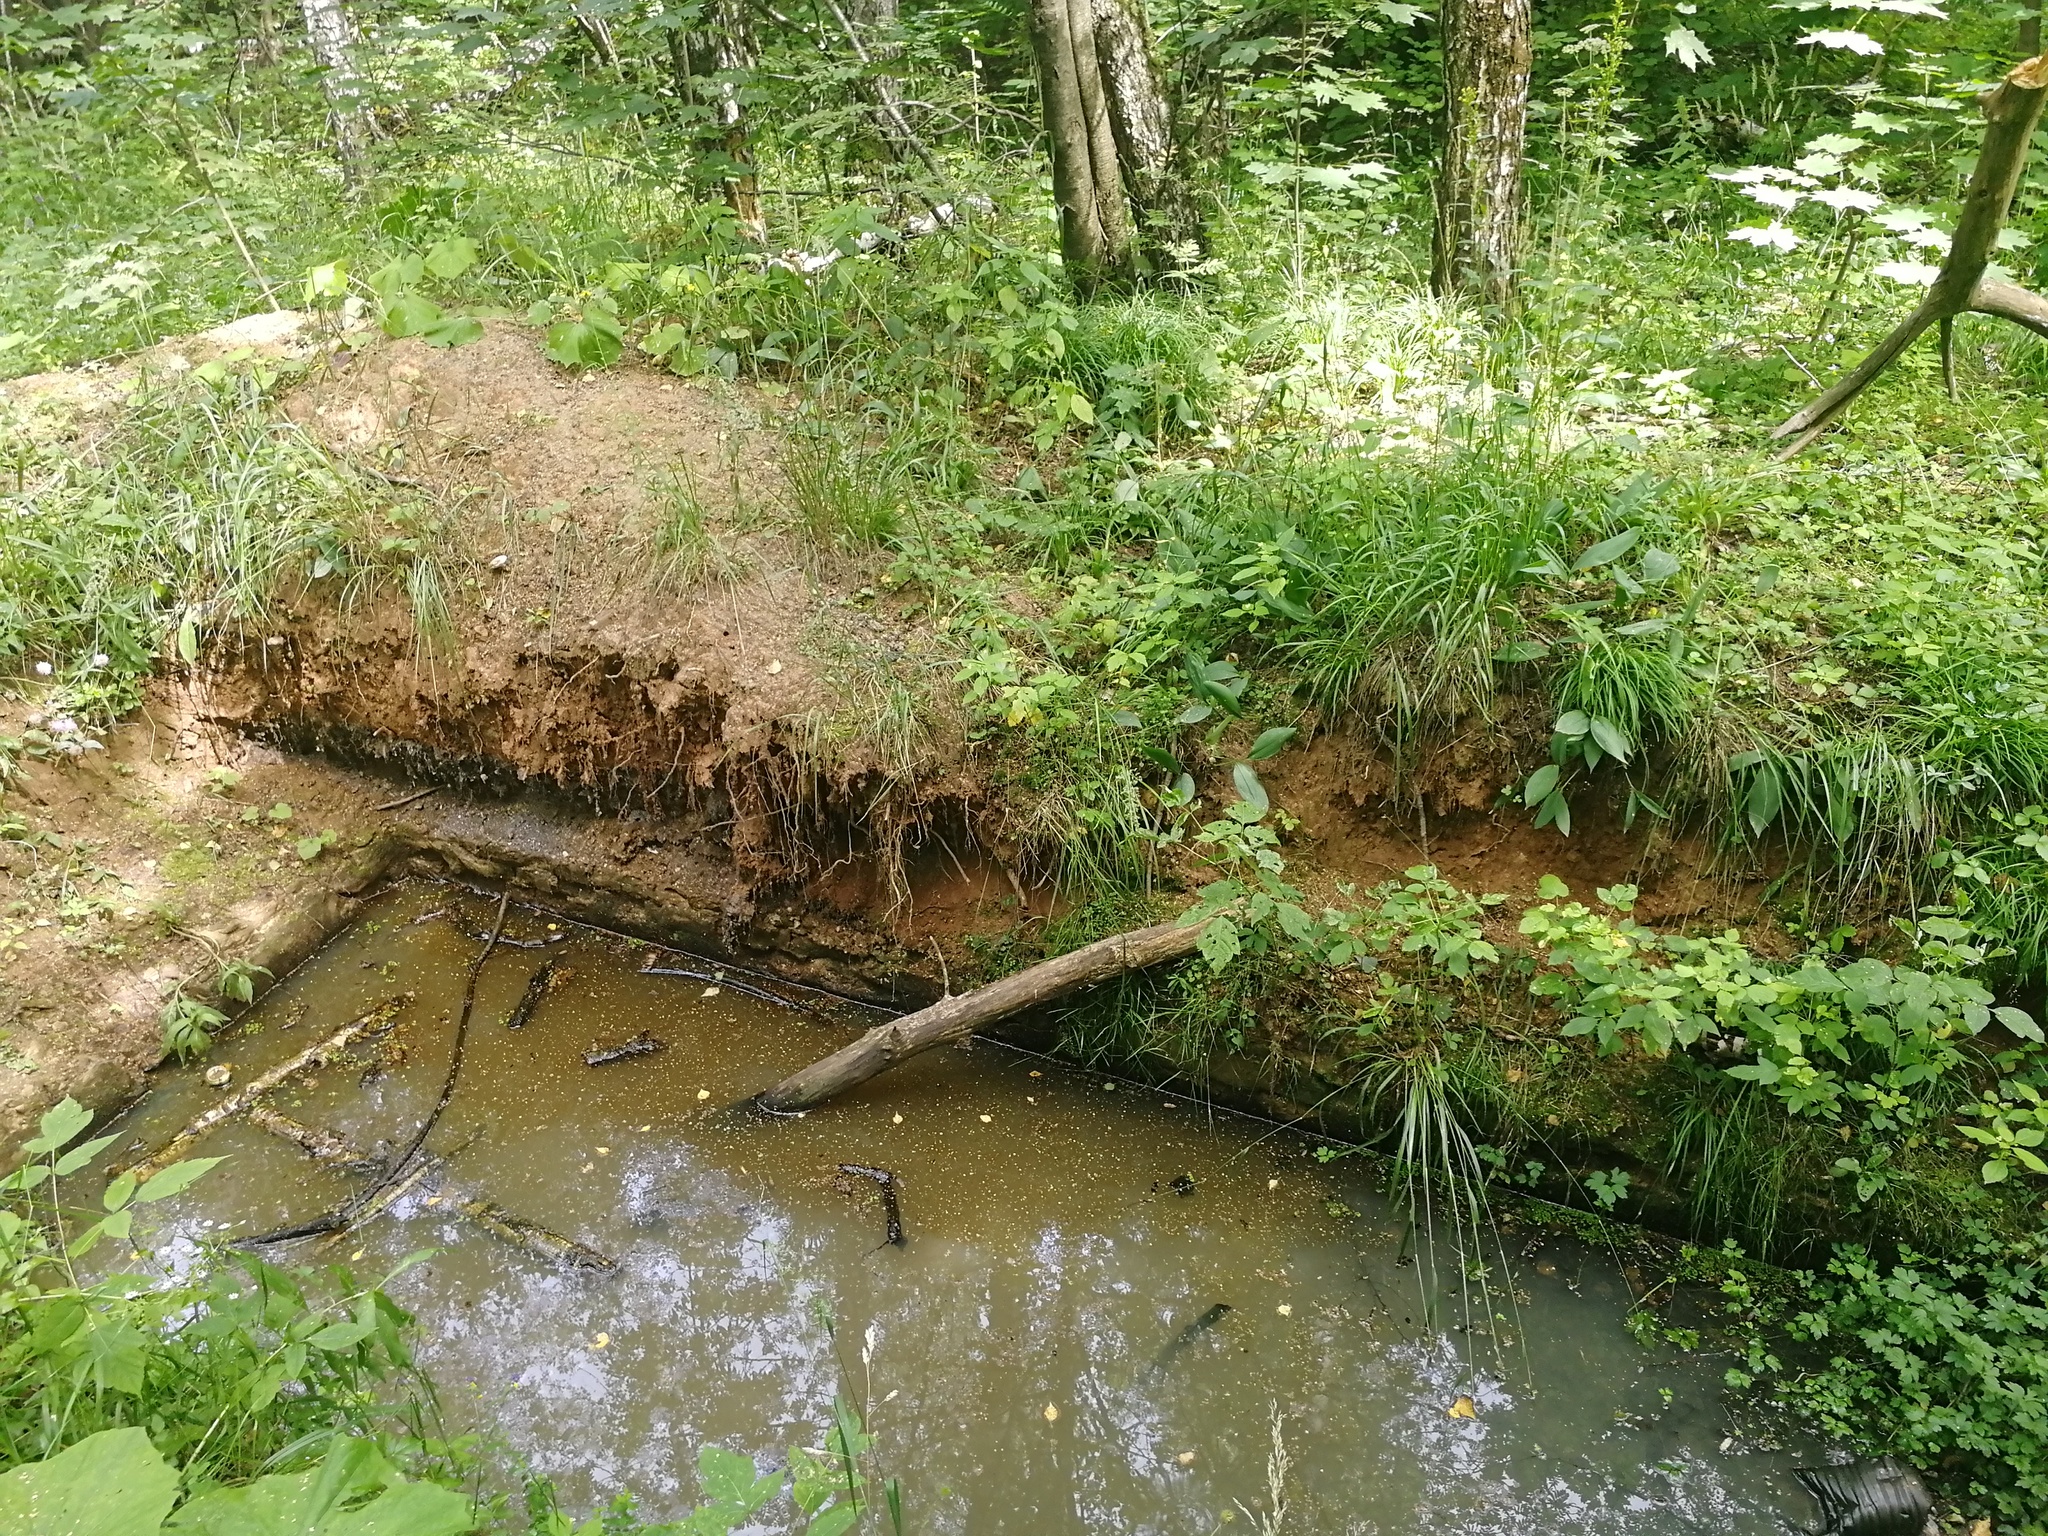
(511, 943)
(890, 1212)
(538, 986)
(1188, 1335)
(535, 1238)
(397, 1173)
(642, 1044)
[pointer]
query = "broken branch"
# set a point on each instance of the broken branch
(2011, 111)
(954, 1018)
(378, 1018)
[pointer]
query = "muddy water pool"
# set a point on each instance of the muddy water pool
(1064, 1342)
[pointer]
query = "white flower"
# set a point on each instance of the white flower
(1774, 236)
(1915, 274)
(44, 669)
(100, 658)
(1773, 197)
(1843, 198)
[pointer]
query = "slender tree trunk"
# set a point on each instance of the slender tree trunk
(2030, 33)
(1487, 48)
(327, 35)
(1141, 121)
(736, 55)
(871, 33)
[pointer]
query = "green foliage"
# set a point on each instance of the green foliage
(1935, 1359)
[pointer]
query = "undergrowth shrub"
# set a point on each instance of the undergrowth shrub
(1940, 1360)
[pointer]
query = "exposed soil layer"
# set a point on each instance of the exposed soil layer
(747, 755)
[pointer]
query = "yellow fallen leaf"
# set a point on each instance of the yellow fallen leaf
(1038, 1074)
(604, 1151)
(1463, 1409)
(1186, 1458)
(1981, 1528)
(1284, 1310)
(1272, 1183)
(601, 1340)
(895, 1119)
(703, 1093)
(1051, 1413)
(433, 1200)
(646, 1127)
(987, 1119)
(352, 1258)
(710, 992)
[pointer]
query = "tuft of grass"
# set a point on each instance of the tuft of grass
(848, 488)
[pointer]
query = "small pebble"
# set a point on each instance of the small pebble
(219, 1077)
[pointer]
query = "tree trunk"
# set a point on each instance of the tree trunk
(1487, 48)
(737, 55)
(327, 35)
(1141, 122)
(870, 32)
(955, 1018)
(1097, 241)
(2011, 112)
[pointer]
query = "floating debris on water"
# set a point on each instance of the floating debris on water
(642, 1044)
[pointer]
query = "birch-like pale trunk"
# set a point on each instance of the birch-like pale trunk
(1141, 122)
(736, 55)
(1487, 50)
(327, 36)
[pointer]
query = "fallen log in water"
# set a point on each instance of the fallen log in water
(535, 1238)
(321, 1146)
(378, 1199)
(954, 1018)
(378, 1018)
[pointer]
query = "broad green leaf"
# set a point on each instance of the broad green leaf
(452, 257)
(1249, 789)
(728, 1478)
(327, 281)
(408, 314)
(114, 1483)
(1219, 943)
(1611, 740)
(1764, 800)
(2020, 1022)
(84, 1153)
(60, 1127)
(1608, 549)
(1522, 650)
(1540, 784)
(1270, 742)
(1573, 722)
(310, 1503)
(339, 1336)
(453, 331)
(176, 1178)
(1660, 564)
(1550, 888)
(116, 1354)
(834, 1521)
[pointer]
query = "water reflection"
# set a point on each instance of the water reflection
(1022, 1357)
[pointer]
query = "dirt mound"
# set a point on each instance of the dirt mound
(629, 615)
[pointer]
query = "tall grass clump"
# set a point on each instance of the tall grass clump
(1419, 563)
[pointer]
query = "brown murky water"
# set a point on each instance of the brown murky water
(1043, 1354)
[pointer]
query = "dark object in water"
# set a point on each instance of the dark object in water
(506, 943)
(642, 1044)
(891, 1215)
(537, 987)
(1868, 1498)
(1184, 1184)
(535, 1238)
(1188, 1335)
